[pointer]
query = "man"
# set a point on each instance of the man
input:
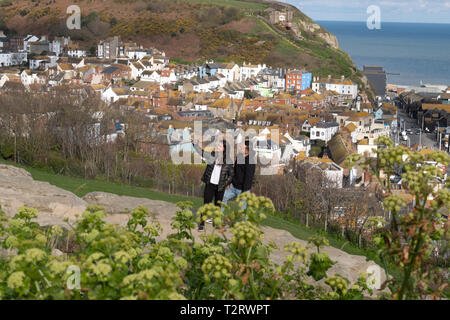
(244, 172)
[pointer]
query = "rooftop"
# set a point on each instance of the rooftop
(327, 125)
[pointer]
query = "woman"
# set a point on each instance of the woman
(217, 176)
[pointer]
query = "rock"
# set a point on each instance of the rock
(115, 204)
(17, 189)
(330, 39)
(317, 30)
(10, 171)
(56, 252)
(347, 265)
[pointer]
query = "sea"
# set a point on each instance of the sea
(411, 52)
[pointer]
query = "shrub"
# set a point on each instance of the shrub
(114, 262)
(7, 150)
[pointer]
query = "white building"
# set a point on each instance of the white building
(77, 53)
(12, 58)
(153, 76)
(332, 175)
(136, 54)
(29, 38)
(341, 86)
(28, 77)
(47, 61)
(111, 94)
(295, 147)
(55, 47)
(249, 70)
(231, 71)
(324, 131)
(167, 75)
(136, 69)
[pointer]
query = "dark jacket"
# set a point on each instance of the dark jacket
(226, 174)
(243, 175)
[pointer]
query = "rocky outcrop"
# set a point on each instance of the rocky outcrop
(319, 32)
(17, 189)
(329, 38)
(115, 204)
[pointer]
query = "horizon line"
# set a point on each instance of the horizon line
(364, 21)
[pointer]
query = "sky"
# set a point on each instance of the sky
(418, 11)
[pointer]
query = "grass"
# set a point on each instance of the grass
(81, 187)
(236, 3)
(300, 231)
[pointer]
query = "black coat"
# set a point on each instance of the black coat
(243, 174)
(226, 174)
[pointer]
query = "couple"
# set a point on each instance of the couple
(225, 181)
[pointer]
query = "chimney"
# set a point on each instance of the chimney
(329, 77)
(342, 78)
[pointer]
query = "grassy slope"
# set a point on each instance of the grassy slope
(235, 3)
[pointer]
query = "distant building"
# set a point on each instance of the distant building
(297, 80)
(323, 172)
(324, 131)
(341, 86)
(110, 48)
(276, 16)
(377, 76)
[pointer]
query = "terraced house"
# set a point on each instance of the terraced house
(342, 86)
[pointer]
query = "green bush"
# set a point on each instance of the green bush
(108, 261)
(7, 150)
(57, 164)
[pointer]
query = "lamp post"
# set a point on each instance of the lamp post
(420, 138)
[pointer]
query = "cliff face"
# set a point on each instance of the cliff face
(256, 31)
(318, 31)
(330, 39)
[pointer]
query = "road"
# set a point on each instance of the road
(428, 139)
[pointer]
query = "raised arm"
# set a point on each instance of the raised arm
(208, 156)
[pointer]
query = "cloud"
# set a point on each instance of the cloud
(392, 10)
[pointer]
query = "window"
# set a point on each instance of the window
(317, 134)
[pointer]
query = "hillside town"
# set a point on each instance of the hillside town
(320, 120)
(222, 149)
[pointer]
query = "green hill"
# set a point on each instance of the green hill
(193, 30)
